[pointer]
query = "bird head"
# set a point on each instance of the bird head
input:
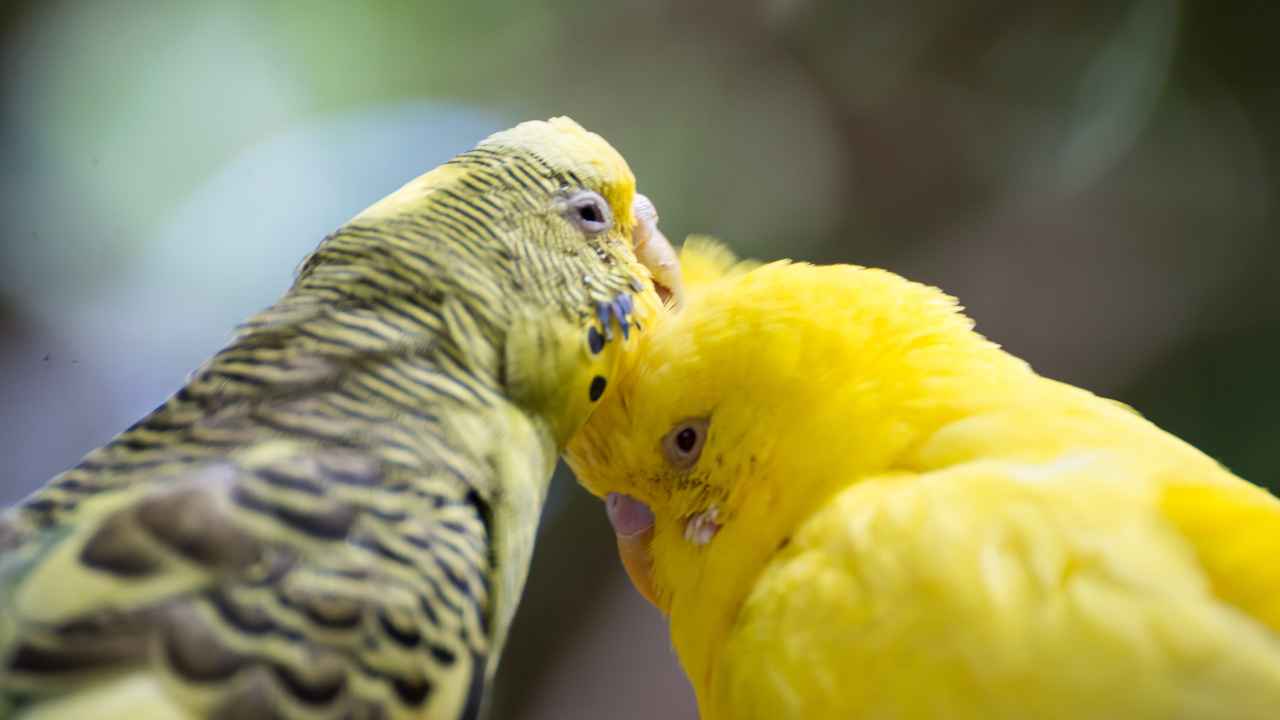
(532, 251)
(774, 387)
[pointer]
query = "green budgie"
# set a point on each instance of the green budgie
(335, 517)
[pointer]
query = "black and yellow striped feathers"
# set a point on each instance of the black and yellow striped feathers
(334, 518)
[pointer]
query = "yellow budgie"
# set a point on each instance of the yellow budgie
(335, 517)
(863, 509)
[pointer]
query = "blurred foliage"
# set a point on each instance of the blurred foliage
(1097, 182)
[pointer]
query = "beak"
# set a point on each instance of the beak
(655, 252)
(632, 523)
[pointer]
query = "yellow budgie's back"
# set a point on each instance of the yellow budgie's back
(863, 509)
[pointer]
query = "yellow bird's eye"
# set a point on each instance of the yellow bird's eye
(683, 445)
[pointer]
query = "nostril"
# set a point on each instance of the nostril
(627, 515)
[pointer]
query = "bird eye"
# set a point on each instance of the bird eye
(683, 445)
(589, 212)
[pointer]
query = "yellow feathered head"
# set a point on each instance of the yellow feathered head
(731, 415)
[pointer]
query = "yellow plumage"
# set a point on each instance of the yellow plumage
(890, 517)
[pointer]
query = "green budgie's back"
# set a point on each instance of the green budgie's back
(334, 518)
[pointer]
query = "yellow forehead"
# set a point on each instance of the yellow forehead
(573, 150)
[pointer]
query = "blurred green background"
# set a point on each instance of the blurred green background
(1096, 181)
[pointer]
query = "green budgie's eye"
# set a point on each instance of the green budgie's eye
(589, 212)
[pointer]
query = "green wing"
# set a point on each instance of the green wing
(287, 579)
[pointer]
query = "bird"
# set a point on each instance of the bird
(334, 517)
(850, 504)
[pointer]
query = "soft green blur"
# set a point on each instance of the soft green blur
(1097, 182)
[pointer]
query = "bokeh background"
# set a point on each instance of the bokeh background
(1097, 182)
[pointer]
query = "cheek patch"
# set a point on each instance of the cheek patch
(700, 528)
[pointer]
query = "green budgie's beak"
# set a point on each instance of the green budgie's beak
(654, 251)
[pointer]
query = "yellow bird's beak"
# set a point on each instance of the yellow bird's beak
(632, 523)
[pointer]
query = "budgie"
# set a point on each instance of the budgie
(334, 517)
(852, 505)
